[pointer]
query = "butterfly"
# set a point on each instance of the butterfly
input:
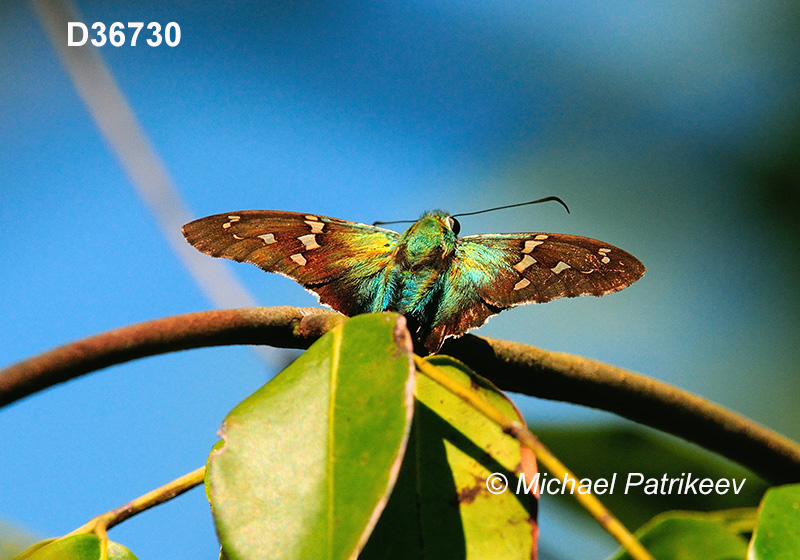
(443, 284)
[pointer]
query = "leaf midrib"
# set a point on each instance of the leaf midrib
(334, 372)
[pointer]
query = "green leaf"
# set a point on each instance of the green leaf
(777, 534)
(684, 535)
(440, 507)
(309, 460)
(77, 547)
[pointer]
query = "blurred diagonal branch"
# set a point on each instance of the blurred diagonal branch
(512, 366)
(147, 173)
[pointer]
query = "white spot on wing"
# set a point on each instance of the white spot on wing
(268, 238)
(605, 260)
(310, 241)
(560, 267)
(299, 259)
(313, 218)
(531, 245)
(521, 284)
(541, 237)
(237, 237)
(231, 220)
(316, 227)
(526, 261)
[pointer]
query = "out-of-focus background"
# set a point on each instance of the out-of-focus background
(671, 130)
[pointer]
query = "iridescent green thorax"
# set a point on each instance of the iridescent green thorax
(428, 242)
(415, 282)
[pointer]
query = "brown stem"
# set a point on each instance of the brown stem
(512, 366)
(284, 327)
(105, 521)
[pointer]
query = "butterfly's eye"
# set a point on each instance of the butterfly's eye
(454, 225)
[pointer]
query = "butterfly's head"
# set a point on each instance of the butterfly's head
(432, 237)
(442, 219)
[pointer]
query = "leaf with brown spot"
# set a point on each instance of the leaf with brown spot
(440, 507)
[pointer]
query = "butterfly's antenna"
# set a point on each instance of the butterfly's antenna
(545, 199)
(393, 222)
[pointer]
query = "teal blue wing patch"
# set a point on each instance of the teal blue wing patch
(493, 272)
(539, 267)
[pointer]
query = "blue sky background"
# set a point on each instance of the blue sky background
(671, 130)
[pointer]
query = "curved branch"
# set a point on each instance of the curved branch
(284, 327)
(512, 366)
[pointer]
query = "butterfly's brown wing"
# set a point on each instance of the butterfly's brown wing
(539, 267)
(336, 259)
(493, 272)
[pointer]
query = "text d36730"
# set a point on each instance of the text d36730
(115, 34)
